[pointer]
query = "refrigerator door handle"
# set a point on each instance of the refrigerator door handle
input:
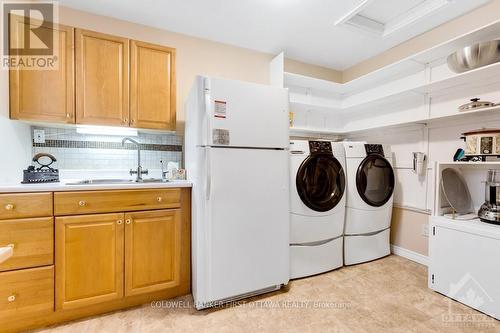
(208, 110)
(209, 173)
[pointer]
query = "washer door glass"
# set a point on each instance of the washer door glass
(320, 182)
(375, 180)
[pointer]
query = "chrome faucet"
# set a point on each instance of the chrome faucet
(163, 172)
(139, 172)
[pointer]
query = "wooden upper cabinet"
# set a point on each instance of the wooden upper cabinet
(89, 259)
(152, 86)
(153, 245)
(44, 95)
(102, 79)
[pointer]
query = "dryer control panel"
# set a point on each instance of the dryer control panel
(374, 149)
(320, 147)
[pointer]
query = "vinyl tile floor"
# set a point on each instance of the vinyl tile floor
(386, 295)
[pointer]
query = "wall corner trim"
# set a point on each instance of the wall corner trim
(408, 254)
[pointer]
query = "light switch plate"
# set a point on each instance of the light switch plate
(39, 136)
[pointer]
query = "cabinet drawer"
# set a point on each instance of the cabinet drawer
(33, 241)
(26, 294)
(91, 202)
(20, 205)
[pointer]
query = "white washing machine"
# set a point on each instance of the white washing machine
(370, 189)
(317, 188)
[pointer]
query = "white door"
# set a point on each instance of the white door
(247, 115)
(248, 231)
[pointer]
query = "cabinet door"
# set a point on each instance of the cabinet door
(89, 259)
(102, 83)
(152, 82)
(464, 265)
(152, 251)
(44, 95)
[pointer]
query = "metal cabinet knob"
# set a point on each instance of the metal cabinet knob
(119, 222)
(128, 221)
(9, 206)
(159, 199)
(82, 203)
(11, 298)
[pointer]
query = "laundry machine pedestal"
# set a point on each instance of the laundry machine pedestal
(307, 260)
(363, 248)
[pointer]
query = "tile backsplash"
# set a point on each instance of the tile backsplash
(88, 151)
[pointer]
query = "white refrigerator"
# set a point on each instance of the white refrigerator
(236, 143)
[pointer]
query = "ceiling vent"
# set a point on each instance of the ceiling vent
(385, 17)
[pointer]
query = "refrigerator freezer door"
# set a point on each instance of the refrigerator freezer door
(196, 130)
(243, 114)
(244, 246)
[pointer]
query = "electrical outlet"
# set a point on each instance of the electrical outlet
(39, 136)
(425, 230)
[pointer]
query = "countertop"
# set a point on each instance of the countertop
(63, 187)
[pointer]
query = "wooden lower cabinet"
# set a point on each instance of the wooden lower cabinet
(33, 242)
(26, 294)
(104, 257)
(152, 251)
(89, 259)
(102, 262)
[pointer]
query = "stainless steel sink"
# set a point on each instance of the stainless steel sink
(116, 181)
(154, 180)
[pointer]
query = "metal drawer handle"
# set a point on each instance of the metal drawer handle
(9, 206)
(128, 221)
(119, 222)
(82, 203)
(159, 199)
(11, 298)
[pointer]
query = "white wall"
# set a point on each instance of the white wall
(15, 137)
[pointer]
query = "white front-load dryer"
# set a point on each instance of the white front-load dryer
(371, 182)
(317, 195)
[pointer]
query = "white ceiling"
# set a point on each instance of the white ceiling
(304, 29)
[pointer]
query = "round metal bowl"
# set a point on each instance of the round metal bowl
(474, 56)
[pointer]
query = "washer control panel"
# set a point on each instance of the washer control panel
(374, 149)
(320, 147)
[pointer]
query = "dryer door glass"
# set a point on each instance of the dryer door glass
(320, 182)
(375, 180)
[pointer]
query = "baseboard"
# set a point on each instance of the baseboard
(413, 256)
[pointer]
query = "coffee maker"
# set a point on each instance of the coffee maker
(490, 210)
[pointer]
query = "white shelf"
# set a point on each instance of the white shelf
(298, 131)
(402, 122)
(301, 107)
(402, 68)
(297, 80)
(475, 165)
(402, 93)
(418, 89)
(415, 84)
